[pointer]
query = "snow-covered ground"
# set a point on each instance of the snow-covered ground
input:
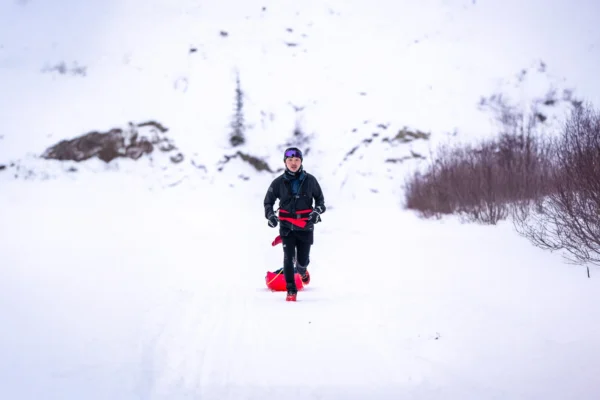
(139, 280)
(126, 295)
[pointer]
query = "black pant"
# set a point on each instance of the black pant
(296, 247)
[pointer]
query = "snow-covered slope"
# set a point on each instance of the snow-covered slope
(328, 67)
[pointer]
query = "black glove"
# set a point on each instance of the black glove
(314, 217)
(272, 221)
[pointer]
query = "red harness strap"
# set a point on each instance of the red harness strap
(299, 219)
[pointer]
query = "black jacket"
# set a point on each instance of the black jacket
(294, 206)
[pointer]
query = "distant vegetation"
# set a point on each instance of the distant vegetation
(62, 69)
(549, 185)
(237, 136)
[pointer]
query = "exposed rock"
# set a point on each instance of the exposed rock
(364, 142)
(256, 162)
(413, 155)
(153, 124)
(177, 158)
(113, 144)
(199, 166)
(406, 136)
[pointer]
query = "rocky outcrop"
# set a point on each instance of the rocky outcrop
(258, 164)
(406, 136)
(132, 143)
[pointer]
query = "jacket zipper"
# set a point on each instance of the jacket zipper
(295, 196)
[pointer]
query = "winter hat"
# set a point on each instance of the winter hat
(292, 152)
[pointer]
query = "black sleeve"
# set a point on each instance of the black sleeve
(319, 198)
(270, 198)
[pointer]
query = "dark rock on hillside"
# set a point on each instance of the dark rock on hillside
(114, 144)
(106, 146)
(413, 155)
(258, 164)
(407, 136)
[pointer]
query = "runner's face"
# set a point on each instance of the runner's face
(293, 163)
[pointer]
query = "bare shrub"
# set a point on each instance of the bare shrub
(483, 199)
(423, 195)
(479, 182)
(568, 218)
(461, 180)
(526, 160)
(427, 193)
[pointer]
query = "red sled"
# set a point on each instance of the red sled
(276, 280)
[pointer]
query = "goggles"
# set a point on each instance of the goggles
(293, 153)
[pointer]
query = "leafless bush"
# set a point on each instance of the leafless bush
(424, 195)
(482, 186)
(480, 182)
(461, 180)
(429, 193)
(568, 217)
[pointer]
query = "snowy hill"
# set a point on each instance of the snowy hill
(144, 278)
(327, 67)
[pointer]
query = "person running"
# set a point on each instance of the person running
(301, 203)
